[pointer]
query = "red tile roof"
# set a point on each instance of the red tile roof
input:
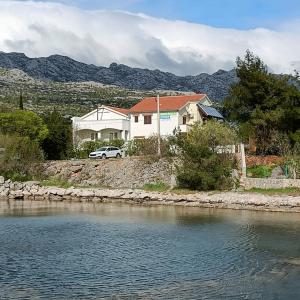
(168, 103)
(123, 111)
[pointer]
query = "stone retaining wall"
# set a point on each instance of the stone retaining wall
(269, 183)
(133, 172)
(33, 191)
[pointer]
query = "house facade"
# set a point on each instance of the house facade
(104, 123)
(176, 113)
(141, 121)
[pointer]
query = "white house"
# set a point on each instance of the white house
(176, 112)
(104, 123)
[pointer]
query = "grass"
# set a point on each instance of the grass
(292, 191)
(260, 171)
(56, 182)
(156, 187)
(16, 176)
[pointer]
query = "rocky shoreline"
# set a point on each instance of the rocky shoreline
(33, 191)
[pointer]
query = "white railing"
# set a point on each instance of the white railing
(98, 125)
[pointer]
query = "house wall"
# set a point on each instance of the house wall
(192, 112)
(168, 122)
(88, 128)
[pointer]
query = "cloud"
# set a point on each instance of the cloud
(102, 37)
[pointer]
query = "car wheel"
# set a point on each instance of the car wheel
(103, 156)
(118, 155)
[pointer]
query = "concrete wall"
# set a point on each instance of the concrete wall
(268, 183)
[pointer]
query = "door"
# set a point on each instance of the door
(110, 152)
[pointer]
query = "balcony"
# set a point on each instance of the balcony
(98, 125)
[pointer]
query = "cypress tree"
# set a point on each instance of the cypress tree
(21, 106)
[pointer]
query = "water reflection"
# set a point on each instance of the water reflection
(104, 251)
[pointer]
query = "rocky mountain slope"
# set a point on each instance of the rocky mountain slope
(70, 98)
(59, 68)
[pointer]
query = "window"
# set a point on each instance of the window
(184, 120)
(136, 119)
(147, 119)
(113, 136)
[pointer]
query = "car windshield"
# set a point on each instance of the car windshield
(102, 149)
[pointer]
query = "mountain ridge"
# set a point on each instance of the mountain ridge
(59, 68)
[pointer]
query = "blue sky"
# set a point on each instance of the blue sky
(240, 14)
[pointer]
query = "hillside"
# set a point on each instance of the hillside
(71, 98)
(63, 69)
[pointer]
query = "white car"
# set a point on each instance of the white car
(106, 152)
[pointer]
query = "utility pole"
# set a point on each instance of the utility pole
(243, 162)
(158, 126)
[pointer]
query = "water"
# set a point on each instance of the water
(81, 251)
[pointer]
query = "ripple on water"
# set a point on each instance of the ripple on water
(177, 255)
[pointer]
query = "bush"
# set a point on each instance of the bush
(148, 147)
(203, 165)
(293, 162)
(260, 171)
(20, 156)
(57, 182)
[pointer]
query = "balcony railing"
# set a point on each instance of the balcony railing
(98, 125)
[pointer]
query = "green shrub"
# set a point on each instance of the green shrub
(16, 175)
(203, 164)
(260, 171)
(293, 162)
(148, 147)
(57, 182)
(20, 157)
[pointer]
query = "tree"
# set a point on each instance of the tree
(21, 106)
(205, 159)
(23, 123)
(58, 143)
(263, 103)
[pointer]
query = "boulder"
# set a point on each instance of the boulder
(2, 180)
(87, 193)
(76, 169)
(4, 193)
(277, 172)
